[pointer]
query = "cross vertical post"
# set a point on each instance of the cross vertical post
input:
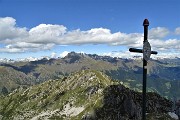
(145, 24)
(146, 55)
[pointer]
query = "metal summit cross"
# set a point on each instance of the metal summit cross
(146, 55)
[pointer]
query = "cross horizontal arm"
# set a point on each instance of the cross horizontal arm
(135, 50)
(140, 51)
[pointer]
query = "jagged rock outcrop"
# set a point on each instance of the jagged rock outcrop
(121, 103)
(177, 109)
(158, 104)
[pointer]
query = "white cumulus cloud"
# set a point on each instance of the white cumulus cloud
(63, 54)
(159, 32)
(9, 30)
(46, 33)
(53, 55)
(177, 31)
(167, 45)
(46, 36)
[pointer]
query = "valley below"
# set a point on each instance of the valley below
(87, 86)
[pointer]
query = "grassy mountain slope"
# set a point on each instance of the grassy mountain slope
(12, 79)
(69, 97)
(82, 95)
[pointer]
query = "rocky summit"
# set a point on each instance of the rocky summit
(121, 103)
(83, 95)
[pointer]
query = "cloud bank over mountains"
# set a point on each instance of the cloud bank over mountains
(14, 39)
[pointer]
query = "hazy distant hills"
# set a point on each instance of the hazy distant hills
(84, 95)
(163, 74)
(11, 79)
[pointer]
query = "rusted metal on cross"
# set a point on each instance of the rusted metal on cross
(146, 55)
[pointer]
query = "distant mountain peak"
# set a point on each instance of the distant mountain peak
(71, 54)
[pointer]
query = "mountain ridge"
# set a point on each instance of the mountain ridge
(165, 72)
(82, 95)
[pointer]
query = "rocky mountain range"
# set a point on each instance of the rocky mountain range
(83, 95)
(163, 74)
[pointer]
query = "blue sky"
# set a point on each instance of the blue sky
(109, 27)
